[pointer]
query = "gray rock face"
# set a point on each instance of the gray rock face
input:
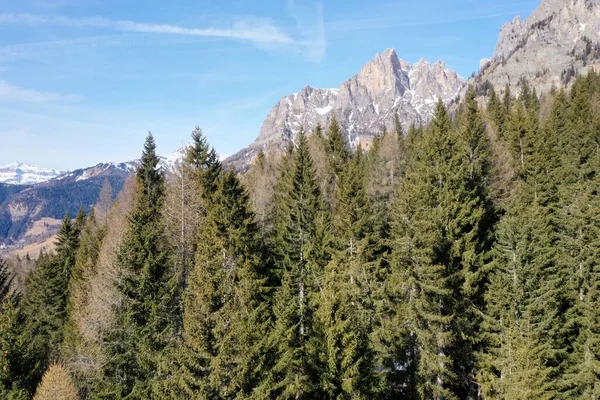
(363, 104)
(559, 39)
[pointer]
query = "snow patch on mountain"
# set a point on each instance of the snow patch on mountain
(363, 105)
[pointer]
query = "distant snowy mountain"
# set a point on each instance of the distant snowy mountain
(22, 205)
(99, 170)
(24, 174)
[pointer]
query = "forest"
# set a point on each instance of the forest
(457, 260)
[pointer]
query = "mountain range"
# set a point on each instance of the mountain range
(558, 41)
(363, 105)
(24, 174)
(22, 205)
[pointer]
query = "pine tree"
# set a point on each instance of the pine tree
(225, 303)
(441, 232)
(346, 309)
(337, 152)
(14, 363)
(205, 162)
(300, 245)
(497, 112)
(45, 303)
(145, 319)
(5, 280)
(421, 278)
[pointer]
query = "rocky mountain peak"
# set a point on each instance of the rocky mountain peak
(363, 105)
(560, 39)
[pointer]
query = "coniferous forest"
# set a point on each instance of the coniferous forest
(458, 260)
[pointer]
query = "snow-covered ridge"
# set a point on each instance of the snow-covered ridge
(24, 174)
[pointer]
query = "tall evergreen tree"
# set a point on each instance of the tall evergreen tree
(346, 309)
(15, 378)
(225, 303)
(13, 365)
(205, 162)
(145, 319)
(336, 148)
(497, 112)
(5, 279)
(45, 303)
(300, 244)
(442, 221)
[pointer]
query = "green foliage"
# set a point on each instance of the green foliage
(225, 309)
(204, 162)
(346, 307)
(441, 231)
(400, 276)
(300, 245)
(336, 148)
(145, 318)
(5, 279)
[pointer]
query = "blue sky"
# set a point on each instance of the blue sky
(83, 81)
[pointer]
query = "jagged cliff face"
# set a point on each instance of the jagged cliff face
(560, 38)
(363, 104)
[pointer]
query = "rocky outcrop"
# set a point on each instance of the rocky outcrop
(363, 105)
(559, 40)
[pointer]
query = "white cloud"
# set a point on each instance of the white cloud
(258, 30)
(261, 32)
(10, 92)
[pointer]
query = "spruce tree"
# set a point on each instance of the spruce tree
(5, 280)
(15, 379)
(336, 148)
(145, 318)
(13, 364)
(300, 245)
(225, 303)
(441, 232)
(497, 112)
(346, 309)
(45, 303)
(420, 277)
(205, 162)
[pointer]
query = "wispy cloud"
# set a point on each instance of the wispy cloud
(256, 30)
(311, 26)
(14, 93)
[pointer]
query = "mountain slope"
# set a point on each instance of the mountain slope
(21, 206)
(560, 39)
(363, 104)
(25, 174)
